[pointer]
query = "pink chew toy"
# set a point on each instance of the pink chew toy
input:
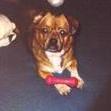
(72, 81)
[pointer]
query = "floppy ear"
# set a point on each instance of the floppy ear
(73, 25)
(37, 18)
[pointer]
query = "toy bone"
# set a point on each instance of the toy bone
(72, 81)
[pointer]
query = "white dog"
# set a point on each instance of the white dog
(7, 34)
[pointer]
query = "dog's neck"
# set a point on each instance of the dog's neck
(55, 58)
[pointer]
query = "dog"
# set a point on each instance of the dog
(51, 45)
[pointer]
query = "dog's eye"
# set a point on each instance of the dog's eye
(45, 30)
(63, 32)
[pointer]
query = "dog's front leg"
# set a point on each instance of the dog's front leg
(74, 73)
(44, 74)
(63, 89)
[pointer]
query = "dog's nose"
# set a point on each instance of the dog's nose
(53, 41)
(52, 45)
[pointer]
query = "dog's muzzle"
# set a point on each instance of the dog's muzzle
(53, 45)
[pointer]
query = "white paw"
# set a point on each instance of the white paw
(80, 83)
(63, 89)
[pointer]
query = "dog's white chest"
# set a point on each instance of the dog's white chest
(55, 59)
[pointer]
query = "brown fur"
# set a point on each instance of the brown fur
(41, 39)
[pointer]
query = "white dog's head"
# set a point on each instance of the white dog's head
(7, 34)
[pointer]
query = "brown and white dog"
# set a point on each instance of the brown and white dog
(52, 48)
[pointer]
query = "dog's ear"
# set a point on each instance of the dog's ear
(37, 18)
(73, 25)
(41, 17)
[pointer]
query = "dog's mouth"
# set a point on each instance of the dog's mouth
(54, 45)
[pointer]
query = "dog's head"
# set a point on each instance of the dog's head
(54, 33)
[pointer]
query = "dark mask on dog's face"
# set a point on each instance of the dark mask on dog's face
(53, 33)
